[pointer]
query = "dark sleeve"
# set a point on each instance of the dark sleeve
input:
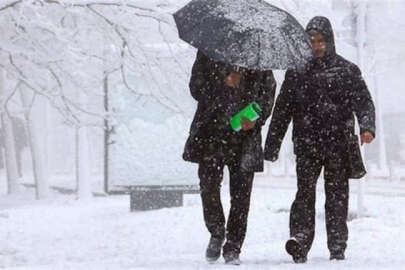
(199, 82)
(362, 102)
(266, 84)
(282, 115)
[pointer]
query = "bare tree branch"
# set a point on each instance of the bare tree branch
(9, 5)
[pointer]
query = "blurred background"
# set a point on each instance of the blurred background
(94, 96)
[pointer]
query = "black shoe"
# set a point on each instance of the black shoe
(232, 258)
(213, 251)
(294, 248)
(339, 256)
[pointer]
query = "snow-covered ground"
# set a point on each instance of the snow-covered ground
(62, 233)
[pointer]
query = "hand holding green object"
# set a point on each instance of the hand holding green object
(251, 112)
(247, 124)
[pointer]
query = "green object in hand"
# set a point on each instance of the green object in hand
(251, 112)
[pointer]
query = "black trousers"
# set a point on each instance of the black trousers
(211, 173)
(302, 214)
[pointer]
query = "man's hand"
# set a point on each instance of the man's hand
(247, 124)
(274, 158)
(366, 137)
(233, 79)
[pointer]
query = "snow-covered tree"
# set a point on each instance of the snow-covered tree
(62, 50)
(8, 137)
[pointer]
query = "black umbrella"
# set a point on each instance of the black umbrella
(246, 33)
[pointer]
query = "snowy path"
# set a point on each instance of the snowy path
(62, 233)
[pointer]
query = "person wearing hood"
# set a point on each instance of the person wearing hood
(321, 101)
(221, 90)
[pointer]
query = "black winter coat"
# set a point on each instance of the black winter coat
(217, 103)
(321, 102)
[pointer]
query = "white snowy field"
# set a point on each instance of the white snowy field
(62, 233)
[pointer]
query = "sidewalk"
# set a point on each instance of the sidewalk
(380, 187)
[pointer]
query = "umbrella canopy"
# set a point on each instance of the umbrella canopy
(246, 33)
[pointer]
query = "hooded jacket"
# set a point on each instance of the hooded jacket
(321, 101)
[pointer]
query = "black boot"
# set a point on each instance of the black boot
(232, 257)
(339, 256)
(294, 248)
(231, 252)
(213, 251)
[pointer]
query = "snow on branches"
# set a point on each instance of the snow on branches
(60, 48)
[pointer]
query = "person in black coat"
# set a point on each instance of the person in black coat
(222, 90)
(321, 101)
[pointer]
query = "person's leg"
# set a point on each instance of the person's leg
(302, 214)
(240, 191)
(336, 206)
(210, 172)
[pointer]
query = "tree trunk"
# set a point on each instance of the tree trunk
(83, 174)
(382, 152)
(10, 154)
(361, 10)
(34, 118)
(8, 140)
(106, 136)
